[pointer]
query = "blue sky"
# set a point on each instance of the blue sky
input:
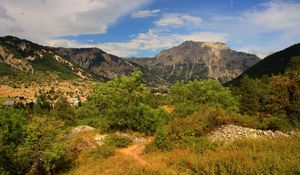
(142, 28)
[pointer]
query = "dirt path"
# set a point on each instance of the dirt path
(135, 151)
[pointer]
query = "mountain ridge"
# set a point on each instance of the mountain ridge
(198, 60)
(187, 61)
(274, 64)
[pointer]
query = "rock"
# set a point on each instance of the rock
(198, 60)
(231, 132)
(100, 139)
(81, 129)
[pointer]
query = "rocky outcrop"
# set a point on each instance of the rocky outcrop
(105, 65)
(198, 60)
(26, 56)
(227, 133)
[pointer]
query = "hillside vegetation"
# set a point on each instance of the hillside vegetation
(275, 64)
(39, 139)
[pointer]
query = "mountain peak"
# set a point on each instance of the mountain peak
(212, 45)
(199, 60)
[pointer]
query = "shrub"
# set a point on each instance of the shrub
(275, 123)
(64, 111)
(118, 141)
(44, 149)
(103, 151)
(185, 132)
(187, 98)
(123, 102)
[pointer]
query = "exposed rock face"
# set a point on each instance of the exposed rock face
(198, 60)
(26, 56)
(105, 65)
(228, 133)
(97, 61)
(188, 61)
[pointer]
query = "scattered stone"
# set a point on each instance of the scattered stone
(135, 139)
(228, 133)
(81, 129)
(100, 139)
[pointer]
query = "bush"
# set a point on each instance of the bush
(64, 111)
(44, 149)
(187, 98)
(118, 141)
(103, 151)
(275, 123)
(12, 129)
(123, 102)
(185, 132)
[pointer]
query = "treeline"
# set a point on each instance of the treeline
(273, 100)
(36, 140)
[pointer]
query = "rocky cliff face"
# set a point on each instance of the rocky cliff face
(188, 61)
(198, 60)
(25, 56)
(105, 65)
(97, 61)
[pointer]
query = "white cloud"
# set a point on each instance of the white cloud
(203, 36)
(278, 15)
(178, 19)
(41, 20)
(145, 13)
(155, 40)
(261, 53)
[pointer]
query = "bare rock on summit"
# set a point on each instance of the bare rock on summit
(198, 60)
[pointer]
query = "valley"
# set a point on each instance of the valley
(197, 108)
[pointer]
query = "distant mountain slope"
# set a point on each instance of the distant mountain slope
(22, 56)
(198, 60)
(22, 59)
(188, 61)
(98, 62)
(274, 64)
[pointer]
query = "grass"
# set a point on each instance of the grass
(263, 156)
(260, 156)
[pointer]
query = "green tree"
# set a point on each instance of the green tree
(44, 149)
(12, 128)
(63, 110)
(123, 101)
(188, 97)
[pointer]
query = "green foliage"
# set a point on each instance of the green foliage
(44, 150)
(271, 98)
(89, 115)
(104, 151)
(275, 123)
(187, 98)
(188, 131)
(32, 145)
(118, 141)
(253, 93)
(63, 110)
(12, 128)
(111, 143)
(123, 102)
(294, 64)
(6, 70)
(48, 63)
(275, 64)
